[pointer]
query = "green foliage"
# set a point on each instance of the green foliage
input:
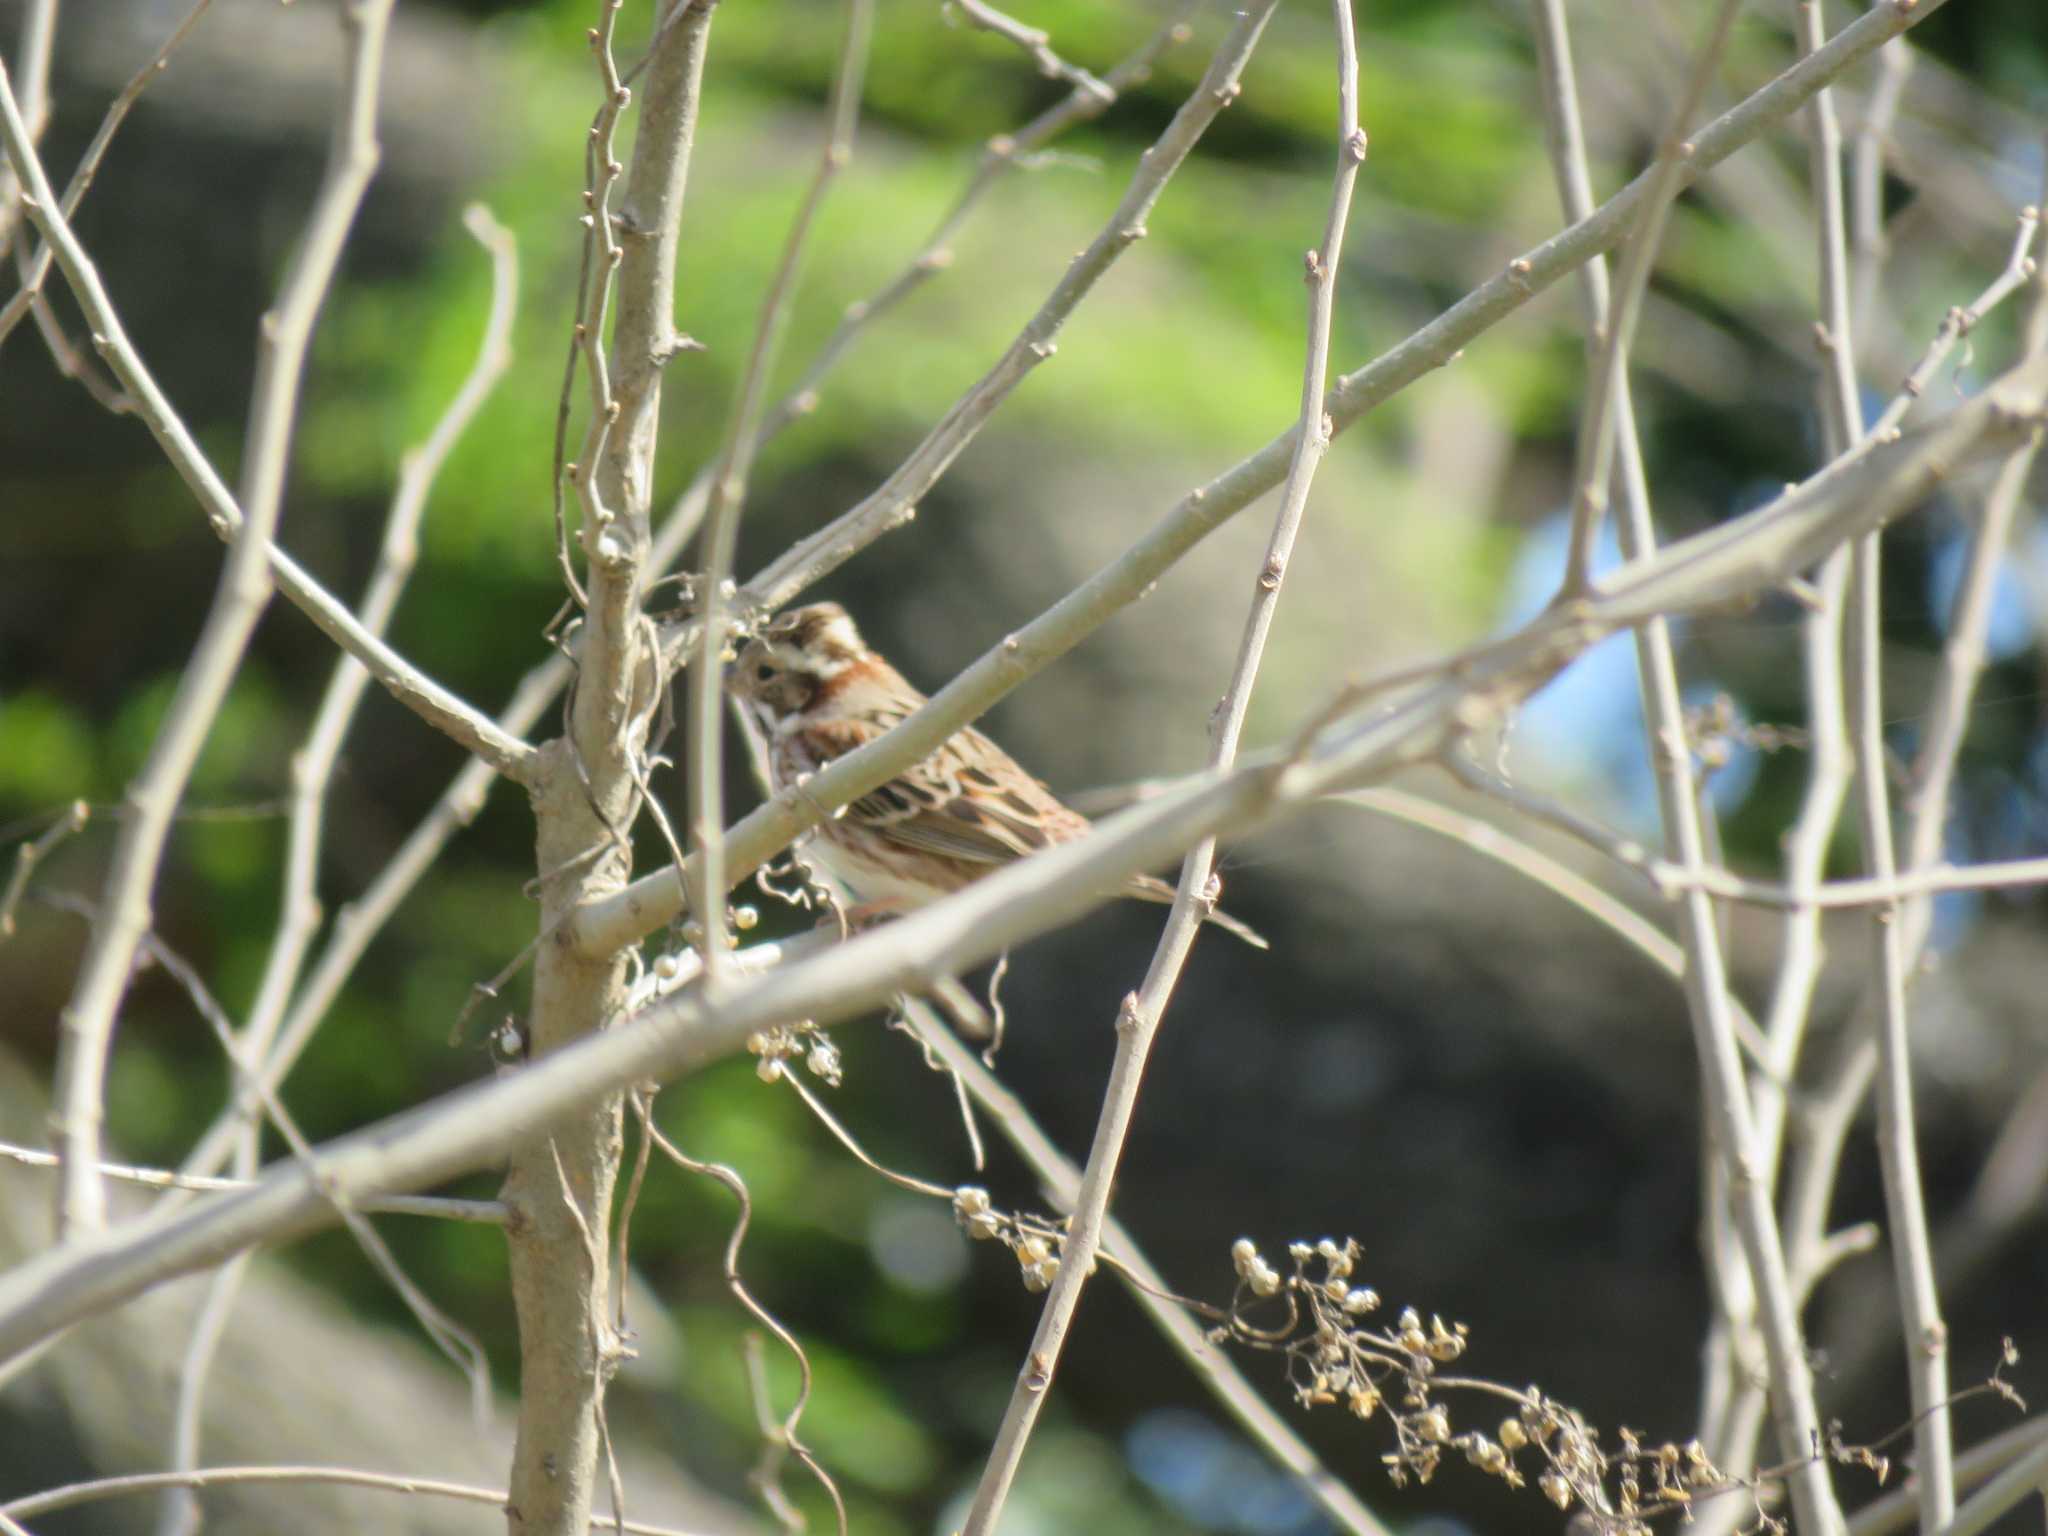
(853, 1423)
(49, 758)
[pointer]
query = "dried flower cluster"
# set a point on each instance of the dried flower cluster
(773, 1050)
(1314, 1315)
(1037, 1244)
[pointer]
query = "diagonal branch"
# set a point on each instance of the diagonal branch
(1137, 1023)
(358, 922)
(312, 767)
(124, 909)
(894, 503)
(37, 269)
(1147, 1287)
(658, 898)
(32, 63)
(473, 1126)
(1034, 41)
(421, 694)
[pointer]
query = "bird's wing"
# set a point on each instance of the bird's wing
(969, 800)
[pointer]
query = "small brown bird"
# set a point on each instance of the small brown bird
(819, 693)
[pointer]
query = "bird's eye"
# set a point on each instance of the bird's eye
(763, 672)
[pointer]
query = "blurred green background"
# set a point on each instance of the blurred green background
(1477, 1083)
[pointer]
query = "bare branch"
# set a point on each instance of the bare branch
(658, 898)
(1731, 1430)
(894, 502)
(405, 682)
(71, 1495)
(1610, 424)
(1147, 1287)
(312, 767)
(1661, 184)
(2023, 1479)
(680, 1034)
(1033, 41)
(1729, 563)
(1926, 1335)
(1138, 1019)
(703, 727)
(32, 63)
(124, 909)
(37, 270)
(359, 922)
(489, 1212)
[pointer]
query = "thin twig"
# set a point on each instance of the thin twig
(1212, 1367)
(32, 853)
(782, 1434)
(682, 1033)
(490, 1212)
(894, 503)
(71, 1495)
(312, 768)
(1897, 1510)
(428, 699)
(1869, 244)
(1926, 1335)
(358, 922)
(596, 283)
(1910, 884)
(1003, 153)
(37, 269)
(1963, 653)
(453, 1340)
(1610, 422)
(32, 63)
(1829, 768)
(1034, 41)
(704, 736)
(846, 1139)
(1138, 1019)
(1490, 841)
(397, 554)
(124, 907)
(1957, 324)
(69, 359)
(1598, 426)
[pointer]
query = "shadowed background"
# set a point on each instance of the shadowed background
(1472, 1078)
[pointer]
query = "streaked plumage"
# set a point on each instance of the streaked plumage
(819, 693)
